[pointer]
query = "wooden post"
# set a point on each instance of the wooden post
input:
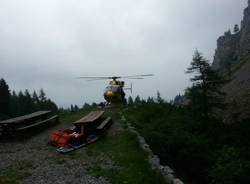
(82, 129)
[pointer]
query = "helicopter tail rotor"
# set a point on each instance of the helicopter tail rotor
(131, 88)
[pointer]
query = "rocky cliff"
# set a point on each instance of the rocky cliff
(231, 47)
(232, 56)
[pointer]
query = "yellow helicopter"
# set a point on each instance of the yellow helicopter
(114, 92)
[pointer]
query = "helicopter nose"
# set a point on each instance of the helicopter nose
(110, 94)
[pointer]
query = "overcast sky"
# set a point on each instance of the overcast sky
(47, 43)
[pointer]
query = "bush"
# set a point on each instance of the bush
(199, 150)
(230, 168)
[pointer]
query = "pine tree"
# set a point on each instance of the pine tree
(42, 100)
(143, 101)
(205, 94)
(49, 105)
(130, 100)
(35, 100)
(14, 104)
(4, 99)
(22, 103)
(158, 98)
(178, 100)
(236, 28)
(29, 104)
(76, 108)
(42, 96)
(150, 100)
(86, 106)
(35, 97)
(137, 100)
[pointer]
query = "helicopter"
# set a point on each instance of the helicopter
(114, 92)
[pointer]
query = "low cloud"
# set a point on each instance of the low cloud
(46, 44)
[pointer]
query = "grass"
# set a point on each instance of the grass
(117, 157)
(15, 173)
(128, 161)
(70, 117)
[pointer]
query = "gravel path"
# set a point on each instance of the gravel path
(44, 165)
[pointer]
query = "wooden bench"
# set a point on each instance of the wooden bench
(39, 123)
(104, 124)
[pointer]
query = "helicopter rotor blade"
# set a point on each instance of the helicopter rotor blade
(114, 77)
(117, 77)
(98, 79)
(93, 77)
(135, 78)
(132, 76)
(89, 80)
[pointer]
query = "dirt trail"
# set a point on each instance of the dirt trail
(117, 156)
(33, 161)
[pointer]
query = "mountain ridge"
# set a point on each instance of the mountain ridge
(232, 59)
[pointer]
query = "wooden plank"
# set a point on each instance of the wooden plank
(38, 123)
(104, 123)
(21, 119)
(89, 118)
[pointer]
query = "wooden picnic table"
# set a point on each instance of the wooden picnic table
(25, 122)
(88, 122)
(24, 118)
(90, 118)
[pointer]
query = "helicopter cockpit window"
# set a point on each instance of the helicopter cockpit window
(116, 89)
(113, 88)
